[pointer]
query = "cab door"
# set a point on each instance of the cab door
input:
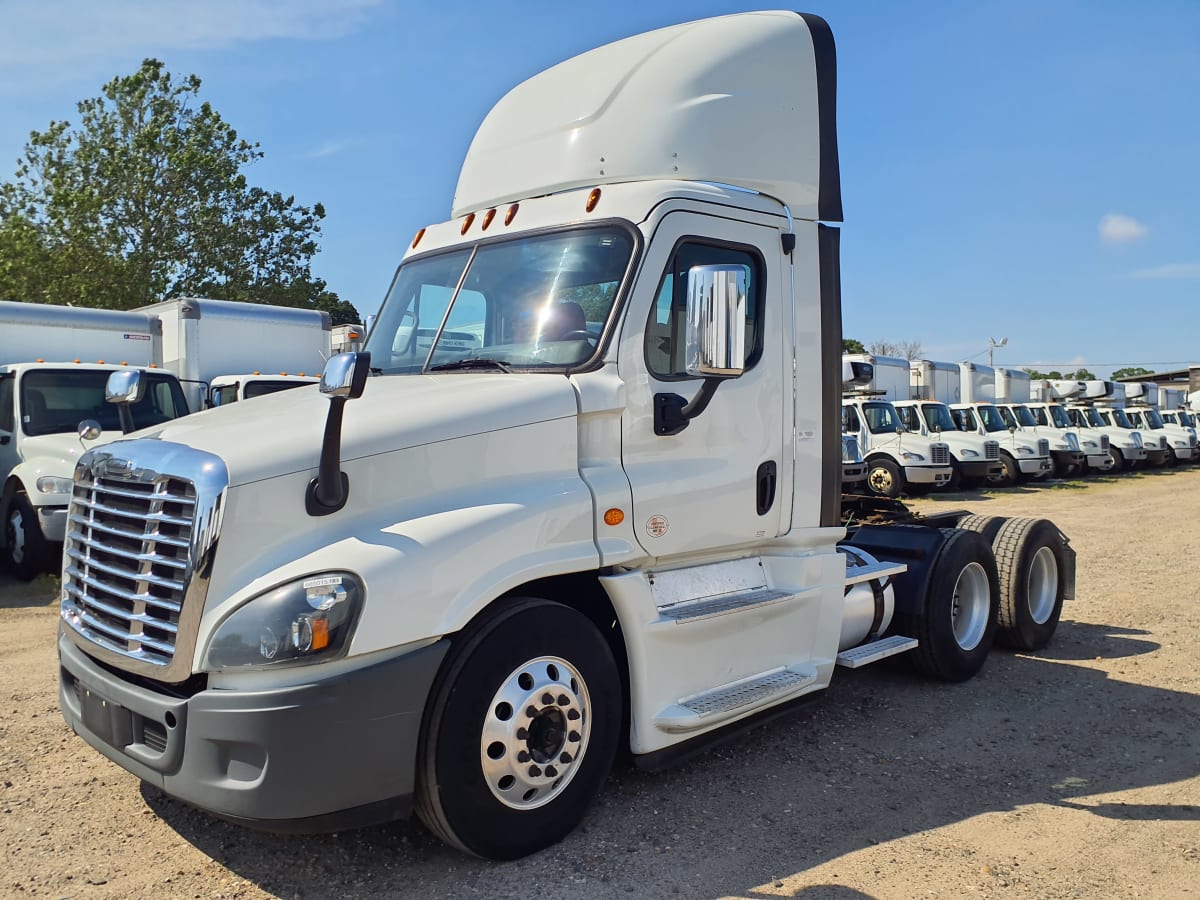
(717, 483)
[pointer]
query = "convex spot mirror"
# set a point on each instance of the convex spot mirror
(89, 430)
(345, 375)
(125, 387)
(715, 342)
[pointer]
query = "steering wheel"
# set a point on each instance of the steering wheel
(580, 336)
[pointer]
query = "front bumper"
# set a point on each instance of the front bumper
(1187, 454)
(53, 522)
(1101, 461)
(927, 474)
(981, 468)
(1038, 465)
(1066, 458)
(853, 472)
(1158, 457)
(330, 754)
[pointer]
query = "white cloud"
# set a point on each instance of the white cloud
(1118, 229)
(1170, 270)
(331, 148)
(69, 38)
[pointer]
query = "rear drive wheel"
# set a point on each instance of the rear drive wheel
(885, 477)
(958, 624)
(988, 526)
(1032, 566)
(26, 550)
(521, 731)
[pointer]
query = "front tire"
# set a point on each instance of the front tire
(885, 477)
(521, 731)
(1118, 459)
(957, 627)
(1032, 568)
(1012, 472)
(26, 550)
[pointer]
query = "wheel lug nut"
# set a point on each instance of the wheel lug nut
(523, 757)
(572, 714)
(522, 734)
(563, 699)
(535, 771)
(564, 758)
(551, 772)
(531, 711)
(573, 737)
(547, 699)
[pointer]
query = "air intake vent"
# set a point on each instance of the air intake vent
(939, 454)
(991, 449)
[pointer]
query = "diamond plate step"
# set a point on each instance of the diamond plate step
(723, 604)
(865, 654)
(735, 698)
(855, 574)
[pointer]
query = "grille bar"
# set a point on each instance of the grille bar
(940, 454)
(92, 563)
(148, 599)
(117, 613)
(991, 449)
(130, 535)
(153, 559)
(133, 513)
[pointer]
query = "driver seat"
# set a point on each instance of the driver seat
(561, 320)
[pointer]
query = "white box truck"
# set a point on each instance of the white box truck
(246, 343)
(1126, 447)
(456, 581)
(1021, 407)
(54, 363)
(1048, 411)
(1142, 400)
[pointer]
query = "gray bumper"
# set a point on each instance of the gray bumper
(981, 468)
(53, 522)
(332, 754)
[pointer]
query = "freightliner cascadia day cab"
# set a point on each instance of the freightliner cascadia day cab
(598, 507)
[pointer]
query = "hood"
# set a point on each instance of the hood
(56, 454)
(282, 433)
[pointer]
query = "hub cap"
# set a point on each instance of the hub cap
(16, 536)
(535, 733)
(972, 606)
(1042, 586)
(880, 480)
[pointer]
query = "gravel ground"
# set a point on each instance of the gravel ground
(1074, 772)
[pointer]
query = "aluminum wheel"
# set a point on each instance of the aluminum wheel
(1043, 585)
(535, 733)
(881, 480)
(16, 536)
(972, 606)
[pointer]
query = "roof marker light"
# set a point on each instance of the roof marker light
(417, 239)
(511, 214)
(487, 218)
(592, 200)
(467, 222)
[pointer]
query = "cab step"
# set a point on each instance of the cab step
(720, 605)
(734, 699)
(883, 569)
(865, 654)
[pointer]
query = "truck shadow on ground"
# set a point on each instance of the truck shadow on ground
(886, 755)
(41, 591)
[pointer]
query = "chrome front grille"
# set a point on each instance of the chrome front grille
(137, 554)
(127, 563)
(991, 449)
(1104, 442)
(939, 454)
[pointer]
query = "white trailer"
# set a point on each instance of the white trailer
(463, 578)
(30, 332)
(203, 339)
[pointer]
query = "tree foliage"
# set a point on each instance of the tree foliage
(909, 350)
(145, 200)
(1055, 375)
(1130, 372)
(850, 345)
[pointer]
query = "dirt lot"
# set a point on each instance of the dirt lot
(1074, 772)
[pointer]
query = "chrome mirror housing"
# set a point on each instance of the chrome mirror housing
(125, 387)
(345, 375)
(716, 321)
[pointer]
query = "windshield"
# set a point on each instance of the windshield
(991, 419)
(964, 419)
(1152, 416)
(881, 417)
(1059, 416)
(1186, 419)
(1024, 416)
(537, 302)
(1121, 419)
(53, 401)
(937, 417)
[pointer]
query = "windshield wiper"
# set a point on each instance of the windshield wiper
(473, 363)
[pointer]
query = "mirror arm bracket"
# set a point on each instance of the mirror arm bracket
(672, 413)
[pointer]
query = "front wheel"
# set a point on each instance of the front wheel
(885, 477)
(1011, 474)
(1118, 459)
(26, 550)
(521, 731)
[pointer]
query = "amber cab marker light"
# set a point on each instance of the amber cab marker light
(511, 214)
(417, 239)
(467, 223)
(593, 199)
(613, 517)
(487, 218)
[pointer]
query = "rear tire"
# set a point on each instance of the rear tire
(958, 625)
(521, 731)
(1032, 568)
(988, 526)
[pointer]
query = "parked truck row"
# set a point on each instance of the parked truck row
(924, 424)
(55, 362)
(579, 491)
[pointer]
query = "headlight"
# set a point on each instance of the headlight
(912, 457)
(1091, 445)
(309, 620)
(969, 454)
(1025, 451)
(49, 484)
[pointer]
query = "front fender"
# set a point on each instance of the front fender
(25, 474)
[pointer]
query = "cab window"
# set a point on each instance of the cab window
(908, 416)
(8, 421)
(666, 330)
(849, 420)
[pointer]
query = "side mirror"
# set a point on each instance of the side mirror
(715, 343)
(345, 375)
(89, 430)
(344, 378)
(125, 388)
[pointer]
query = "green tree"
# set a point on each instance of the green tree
(1130, 372)
(146, 199)
(850, 345)
(1053, 376)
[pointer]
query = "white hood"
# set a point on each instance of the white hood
(281, 434)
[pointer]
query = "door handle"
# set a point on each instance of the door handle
(766, 487)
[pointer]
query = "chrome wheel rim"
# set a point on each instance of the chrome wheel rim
(535, 733)
(880, 480)
(1042, 585)
(16, 536)
(971, 606)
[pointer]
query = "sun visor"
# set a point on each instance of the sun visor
(746, 100)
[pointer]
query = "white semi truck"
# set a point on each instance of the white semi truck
(1110, 407)
(1141, 408)
(1021, 406)
(54, 364)
(459, 580)
(972, 459)
(1125, 447)
(1046, 407)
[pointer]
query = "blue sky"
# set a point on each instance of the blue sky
(1018, 169)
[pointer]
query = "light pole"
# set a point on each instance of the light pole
(992, 345)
